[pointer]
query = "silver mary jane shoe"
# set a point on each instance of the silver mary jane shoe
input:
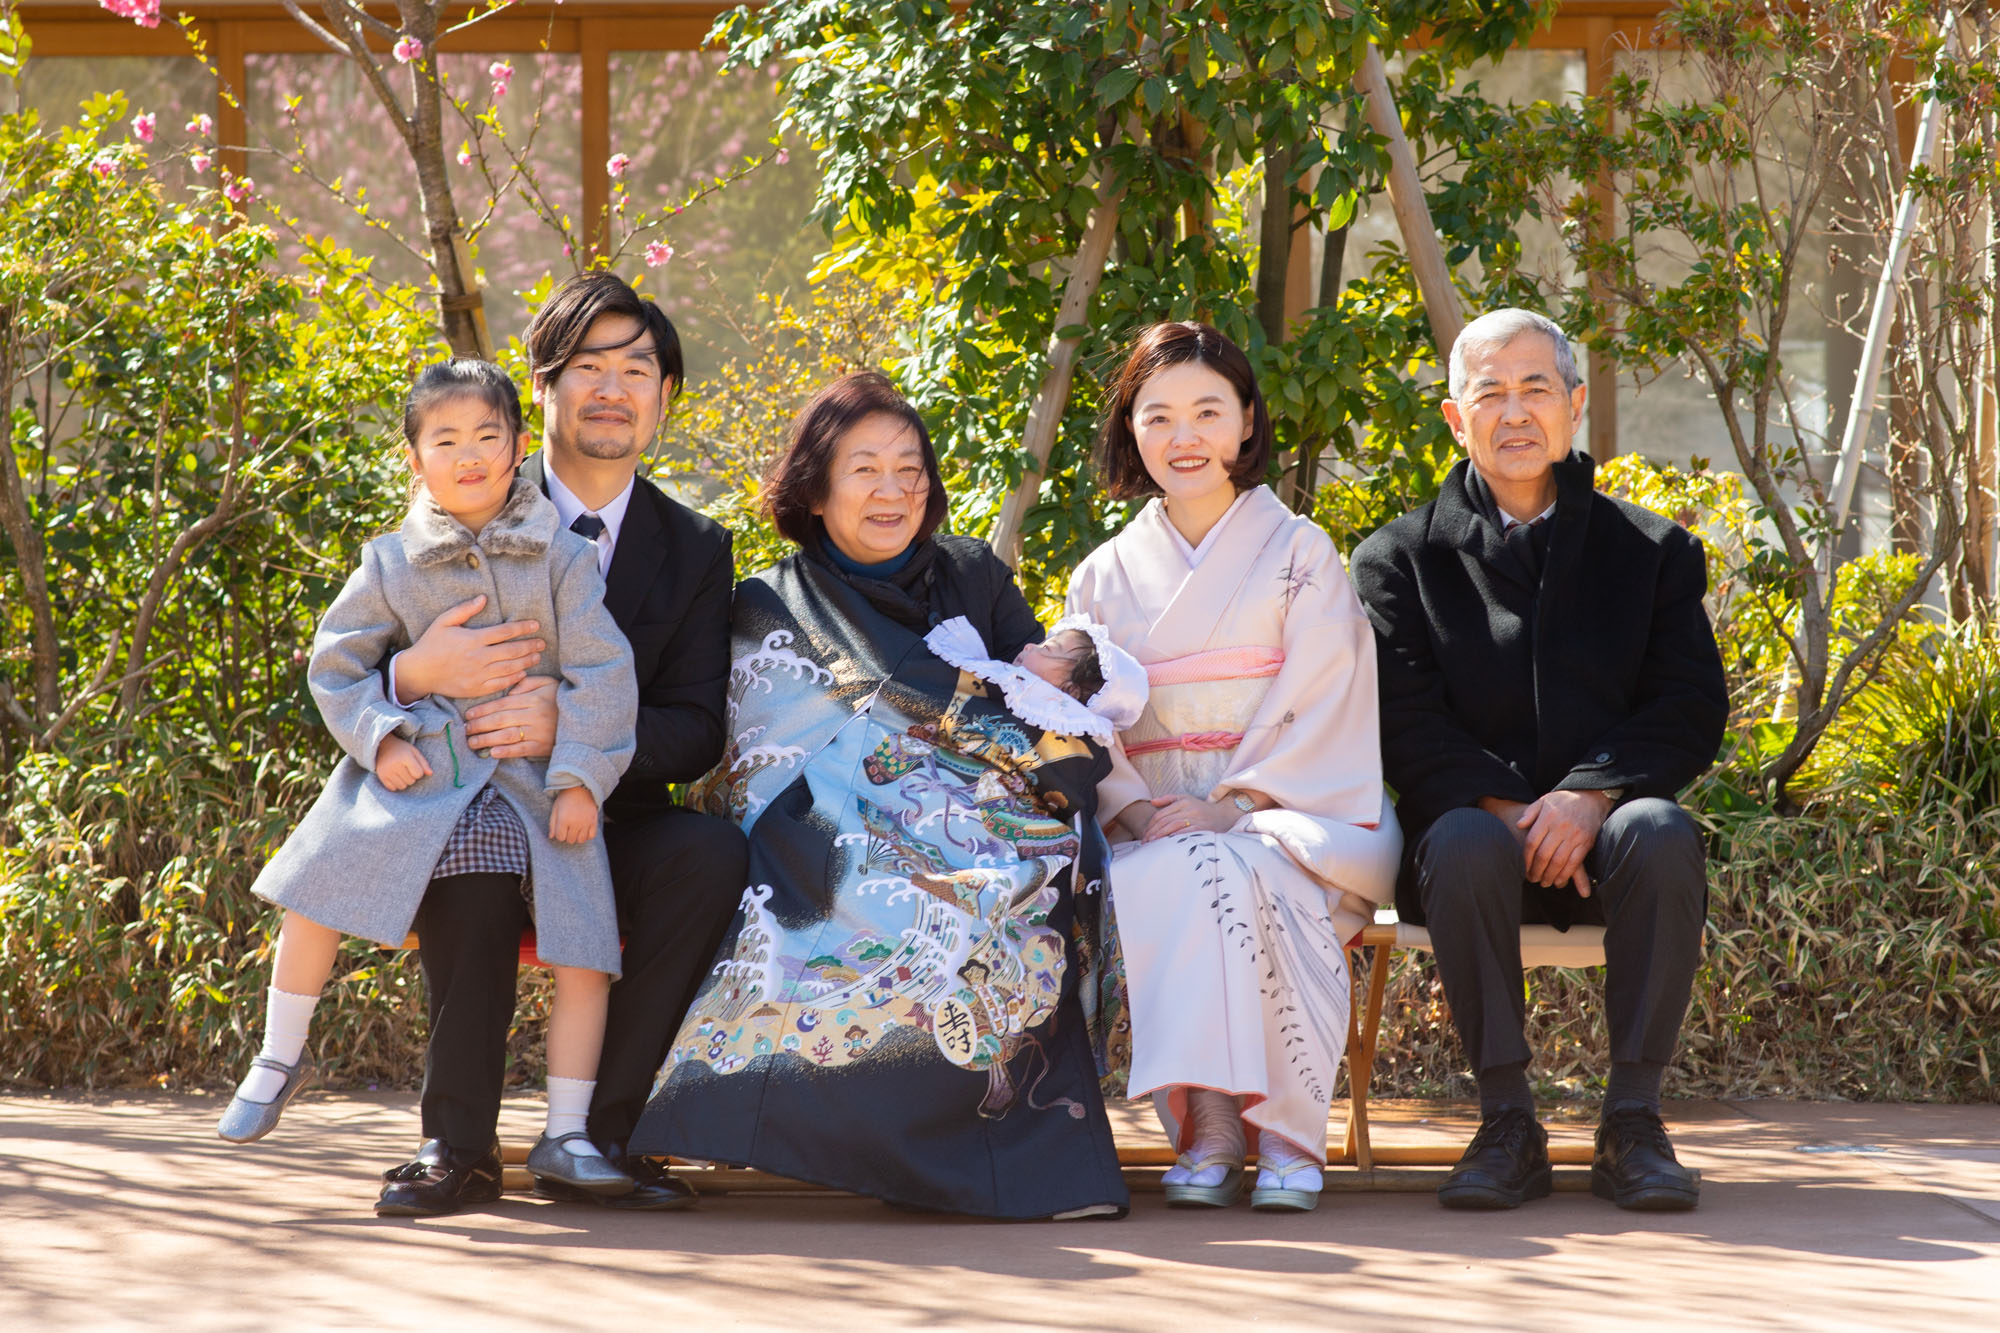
(246, 1121)
(548, 1161)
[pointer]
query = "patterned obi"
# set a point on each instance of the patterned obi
(1196, 714)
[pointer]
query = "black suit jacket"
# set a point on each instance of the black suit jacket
(668, 589)
(1601, 673)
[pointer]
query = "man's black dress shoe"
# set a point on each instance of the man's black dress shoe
(1635, 1167)
(659, 1191)
(1506, 1164)
(439, 1181)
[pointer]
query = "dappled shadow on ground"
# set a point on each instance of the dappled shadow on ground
(140, 1195)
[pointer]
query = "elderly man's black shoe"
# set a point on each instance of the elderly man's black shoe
(439, 1181)
(659, 1191)
(1634, 1165)
(1506, 1165)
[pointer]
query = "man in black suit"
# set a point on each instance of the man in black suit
(1549, 682)
(605, 363)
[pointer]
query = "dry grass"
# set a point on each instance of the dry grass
(1846, 957)
(1855, 959)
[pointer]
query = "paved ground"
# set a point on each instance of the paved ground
(127, 1212)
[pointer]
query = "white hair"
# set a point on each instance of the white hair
(1497, 328)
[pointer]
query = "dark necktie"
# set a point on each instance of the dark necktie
(588, 526)
(1526, 544)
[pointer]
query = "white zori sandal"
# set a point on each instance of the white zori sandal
(1288, 1179)
(1210, 1173)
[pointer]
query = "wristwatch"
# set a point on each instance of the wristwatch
(1242, 801)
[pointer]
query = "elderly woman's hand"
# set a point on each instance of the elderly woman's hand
(1187, 814)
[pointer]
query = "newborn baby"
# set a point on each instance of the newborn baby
(1076, 682)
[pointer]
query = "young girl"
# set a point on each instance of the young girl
(411, 802)
(1076, 682)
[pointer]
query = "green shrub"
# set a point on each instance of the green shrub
(1925, 732)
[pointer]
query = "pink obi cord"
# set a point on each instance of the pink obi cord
(1199, 668)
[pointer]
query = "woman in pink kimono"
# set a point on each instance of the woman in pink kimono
(1253, 833)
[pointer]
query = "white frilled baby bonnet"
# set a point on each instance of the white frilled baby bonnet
(1034, 700)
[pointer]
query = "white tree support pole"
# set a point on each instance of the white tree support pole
(1045, 414)
(1874, 347)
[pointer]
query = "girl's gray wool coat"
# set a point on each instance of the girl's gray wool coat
(361, 859)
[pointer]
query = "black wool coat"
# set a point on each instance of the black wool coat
(1600, 673)
(669, 590)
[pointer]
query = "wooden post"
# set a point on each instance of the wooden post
(593, 39)
(232, 126)
(1603, 380)
(1086, 271)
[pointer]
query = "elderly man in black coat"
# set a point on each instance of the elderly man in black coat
(1549, 682)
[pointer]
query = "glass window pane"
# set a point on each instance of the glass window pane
(174, 88)
(685, 124)
(348, 136)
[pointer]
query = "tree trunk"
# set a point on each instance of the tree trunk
(1086, 271)
(1274, 241)
(30, 555)
(1406, 196)
(1333, 254)
(459, 302)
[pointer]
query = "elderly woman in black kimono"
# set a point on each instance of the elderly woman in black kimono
(896, 1012)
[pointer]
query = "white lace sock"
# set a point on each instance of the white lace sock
(1218, 1140)
(1281, 1165)
(569, 1107)
(287, 1018)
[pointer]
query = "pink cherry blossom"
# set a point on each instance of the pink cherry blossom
(617, 165)
(464, 156)
(407, 49)
(203, 125)
(658, 253)
(143, 125)
(145, 13)
(567, 252)
(784, 156)
(503, 74)
(104, 166)
(200, 162)
(238, 189)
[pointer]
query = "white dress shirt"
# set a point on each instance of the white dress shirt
(568, 507)
(1508, 521)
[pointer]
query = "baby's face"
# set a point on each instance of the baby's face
(1054, 659)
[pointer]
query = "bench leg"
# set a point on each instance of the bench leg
(1361, 1045)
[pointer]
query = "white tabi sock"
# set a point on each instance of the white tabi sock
(287, 1018)
(1277, 1155)
(569, 1108)
(1218, 1139)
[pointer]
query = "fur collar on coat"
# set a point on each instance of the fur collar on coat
(525, 525)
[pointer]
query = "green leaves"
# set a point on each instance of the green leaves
(1117, 85)
(963, 149)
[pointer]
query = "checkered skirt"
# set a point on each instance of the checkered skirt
(488, 840)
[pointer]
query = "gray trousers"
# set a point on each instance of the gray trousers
(1649, 889)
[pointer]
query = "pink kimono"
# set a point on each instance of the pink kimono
(1262, 671)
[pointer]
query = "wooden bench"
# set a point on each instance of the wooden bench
(1541, 946)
